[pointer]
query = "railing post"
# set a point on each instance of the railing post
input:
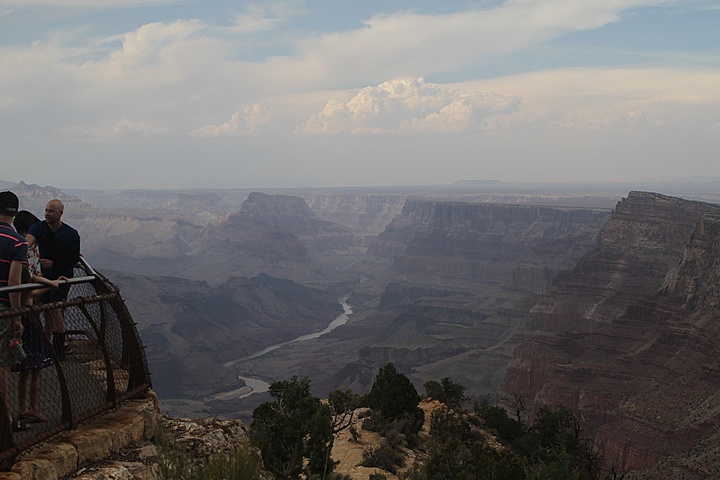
(110, 378)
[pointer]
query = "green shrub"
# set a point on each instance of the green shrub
(374, 422)
(446, 391)
(394, 395)
(175, 463)
(415, 472)
(384, 457)
(294, 433)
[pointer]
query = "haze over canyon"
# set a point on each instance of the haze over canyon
(590, 296)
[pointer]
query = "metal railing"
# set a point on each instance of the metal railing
(107, 365)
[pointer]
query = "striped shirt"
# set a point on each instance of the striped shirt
(13, 248)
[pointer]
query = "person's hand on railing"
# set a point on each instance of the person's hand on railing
(48, 282)
(17, 327)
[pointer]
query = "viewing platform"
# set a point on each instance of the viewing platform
(107, 365)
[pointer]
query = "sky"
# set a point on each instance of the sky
(234, 94)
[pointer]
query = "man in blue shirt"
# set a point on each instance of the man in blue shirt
(59, 248)
(13, 255)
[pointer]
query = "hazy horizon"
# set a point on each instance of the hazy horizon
(707, 186)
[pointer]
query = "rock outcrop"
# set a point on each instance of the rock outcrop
(292, 215)
(628, 339)
(278, 235)
(122, 446)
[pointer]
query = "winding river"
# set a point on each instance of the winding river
(254, 385)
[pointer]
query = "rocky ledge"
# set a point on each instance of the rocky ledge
(134, 423)
(119, 446)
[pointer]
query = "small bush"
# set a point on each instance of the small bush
(394, 436)
(401, 432)
(175, 463)
(415, 472)
(384, 457)
(374, 422)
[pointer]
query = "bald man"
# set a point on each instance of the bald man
(59, 248)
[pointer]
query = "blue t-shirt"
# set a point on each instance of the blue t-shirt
(13, 248)
(61, 246)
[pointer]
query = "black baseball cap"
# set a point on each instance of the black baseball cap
(9, 203)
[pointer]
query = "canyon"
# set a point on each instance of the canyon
(602, 301)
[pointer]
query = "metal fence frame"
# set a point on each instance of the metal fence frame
(110, 333)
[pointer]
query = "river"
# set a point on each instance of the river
(254, 385)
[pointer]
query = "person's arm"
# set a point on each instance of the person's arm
(15, 278)
(46, 282)
(31, 240)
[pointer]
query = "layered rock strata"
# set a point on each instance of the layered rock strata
(629, 338)
(456, 281)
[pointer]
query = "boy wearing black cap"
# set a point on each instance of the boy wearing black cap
(13, 255)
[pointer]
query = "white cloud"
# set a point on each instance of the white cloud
(150, 45)
(179, 67)
(629, 101)
(408, 43)
(239, 125)
(259, 17)
(633, 101)
(410, 105)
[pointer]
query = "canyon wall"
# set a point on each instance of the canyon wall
(628, 339)
(447, 283)
(450, 242)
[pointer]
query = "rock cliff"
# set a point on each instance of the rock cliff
(483, 243)
(628, 339)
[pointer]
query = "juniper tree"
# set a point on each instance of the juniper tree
(294, 432)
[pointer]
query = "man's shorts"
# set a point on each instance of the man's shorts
(56, 294)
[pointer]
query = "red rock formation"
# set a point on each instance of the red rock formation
(631, 336)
